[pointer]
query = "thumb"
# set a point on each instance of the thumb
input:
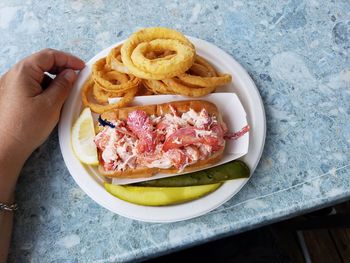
(60, 87)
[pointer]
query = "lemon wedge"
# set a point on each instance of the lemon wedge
(159, 196)
(83, 133)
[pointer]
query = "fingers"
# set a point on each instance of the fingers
(59, 89)
(54, 61)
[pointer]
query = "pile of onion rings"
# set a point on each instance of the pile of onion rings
(151, 61)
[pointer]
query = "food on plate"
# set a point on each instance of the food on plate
(170, 138)
(106, 78)
(83, 133)
(105, 83)
(219, 174)
(203, 74)
(101, 108)
(114, 60)
(201, 79)
(159, 196)
(183, 89)
(135, 48)
(151, 61)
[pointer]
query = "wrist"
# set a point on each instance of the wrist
(7, 188)
(11, 163)
(7, 198)
(8, 183)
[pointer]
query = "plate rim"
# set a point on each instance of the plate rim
(238, 184)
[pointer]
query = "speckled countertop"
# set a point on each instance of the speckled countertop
(296, 51)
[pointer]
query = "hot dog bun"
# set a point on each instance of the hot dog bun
(160, 110)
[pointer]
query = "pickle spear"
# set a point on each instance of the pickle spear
(229, 171)
(159, 196)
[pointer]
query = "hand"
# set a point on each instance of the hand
(28, 110)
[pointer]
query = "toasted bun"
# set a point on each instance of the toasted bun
(160, 110)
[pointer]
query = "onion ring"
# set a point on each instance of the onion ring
(114, 60)
(124, 101)
(207, 81)
(188, 90)
(106, 78)
(155, 54)
(102, 96)
(200, 70)
(157, 86)
(203, 62)
(146, 40)
(201, 79)
(99, 94)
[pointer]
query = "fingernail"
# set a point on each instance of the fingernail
(69, 75)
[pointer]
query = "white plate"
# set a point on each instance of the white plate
(92, 185)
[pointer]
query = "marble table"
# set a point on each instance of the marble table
(296, 51)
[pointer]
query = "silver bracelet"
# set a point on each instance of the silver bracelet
(6, 207)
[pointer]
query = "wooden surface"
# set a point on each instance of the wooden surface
(341, 238)
(250, 247)
(288, 243)
(330, 245)
(321, 246)
(275, 243)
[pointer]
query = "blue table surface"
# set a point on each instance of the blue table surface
(296, 51)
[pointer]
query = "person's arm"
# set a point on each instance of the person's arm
(8, 173)
(28, 113)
